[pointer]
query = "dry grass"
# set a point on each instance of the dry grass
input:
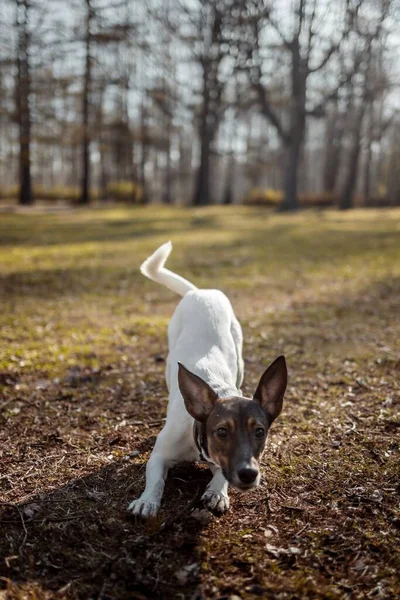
(83, 342)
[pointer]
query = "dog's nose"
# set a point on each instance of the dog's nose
(247, 474)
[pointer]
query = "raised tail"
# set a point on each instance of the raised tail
(153, 268)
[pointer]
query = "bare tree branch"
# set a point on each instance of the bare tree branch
(301, 13)
(319, 110)
(330, 52)
(268, 111)
(311, 32)
(334, 47)
(275, 25)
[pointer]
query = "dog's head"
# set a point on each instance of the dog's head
(234, 429)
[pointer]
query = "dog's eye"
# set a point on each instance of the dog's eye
(222, 432)
(259, 432)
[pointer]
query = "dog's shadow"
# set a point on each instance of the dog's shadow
(78, 542)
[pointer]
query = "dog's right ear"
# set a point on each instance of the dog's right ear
(198, 396)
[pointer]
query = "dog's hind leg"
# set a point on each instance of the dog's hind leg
(237, 335)
(156, 473)
(216, 498)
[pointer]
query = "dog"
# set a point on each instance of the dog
(208, 419)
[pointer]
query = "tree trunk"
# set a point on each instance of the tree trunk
(294, 141)
(167, 195)
(23, 107)
(211, 96)
(102, 141)
(347, 195)
(143, 156)
(290, 179)
(85, 183)
(333, 152)
(133, 175)
(367, 176)
(332, 166)
(350, 183)
(368, 158)
(228, 191)
(202, 195)
(392, 181)
(103, 168)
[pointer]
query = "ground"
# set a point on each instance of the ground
(82, 397)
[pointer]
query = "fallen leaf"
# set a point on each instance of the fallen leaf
(275, 551)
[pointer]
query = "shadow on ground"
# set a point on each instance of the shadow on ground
(54, 231)
(78, 541)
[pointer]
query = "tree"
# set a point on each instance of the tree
(369, 32)
(163, 98)
(306, 56)
(333, 149)
(87, 82)
(23, 92)
(210, 29)
(393, 167)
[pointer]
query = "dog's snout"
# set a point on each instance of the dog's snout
(247, 475)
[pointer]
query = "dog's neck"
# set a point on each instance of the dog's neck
(222, 389)
(200, 439)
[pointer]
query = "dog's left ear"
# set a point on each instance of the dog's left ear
(272, 387)
(198, 396)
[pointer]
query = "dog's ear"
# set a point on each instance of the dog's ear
(198, 396)
(272, 387)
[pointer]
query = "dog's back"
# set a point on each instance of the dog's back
(203, 333)
(202, 316)
(201, 336)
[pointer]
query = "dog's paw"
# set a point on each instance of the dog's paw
(215, 502)
(143, 509)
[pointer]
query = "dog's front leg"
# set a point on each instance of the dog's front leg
(149, 502)
(216, 498)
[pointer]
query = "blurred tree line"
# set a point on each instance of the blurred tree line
(200, 101)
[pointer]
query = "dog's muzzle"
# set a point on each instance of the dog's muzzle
(246, 479)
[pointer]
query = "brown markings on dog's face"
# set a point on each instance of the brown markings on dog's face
(236, 431)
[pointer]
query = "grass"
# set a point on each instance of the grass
(83, 344)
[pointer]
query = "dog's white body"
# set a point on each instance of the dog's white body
(206, 337)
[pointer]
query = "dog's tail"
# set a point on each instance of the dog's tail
(153, 268)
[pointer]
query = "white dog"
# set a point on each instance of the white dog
(207, 417)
